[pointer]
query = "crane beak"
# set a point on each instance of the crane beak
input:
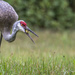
(27, 30)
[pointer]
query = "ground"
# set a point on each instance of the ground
(52, 54)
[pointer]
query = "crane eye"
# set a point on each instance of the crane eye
(22, 25)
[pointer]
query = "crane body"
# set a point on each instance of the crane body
(9, 20)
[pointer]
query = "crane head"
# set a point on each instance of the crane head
(24, 28)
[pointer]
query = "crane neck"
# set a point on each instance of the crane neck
(9, 36)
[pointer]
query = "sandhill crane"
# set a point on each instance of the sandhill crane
(9, 20)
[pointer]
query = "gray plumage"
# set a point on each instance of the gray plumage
(7, 16)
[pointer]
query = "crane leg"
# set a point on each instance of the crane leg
(0, 39)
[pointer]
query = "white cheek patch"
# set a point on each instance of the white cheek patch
(20, 27)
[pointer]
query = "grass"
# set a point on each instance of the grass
(52, 54)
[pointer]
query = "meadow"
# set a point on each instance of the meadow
(52, 54)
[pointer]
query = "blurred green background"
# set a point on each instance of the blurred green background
(53, 14)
